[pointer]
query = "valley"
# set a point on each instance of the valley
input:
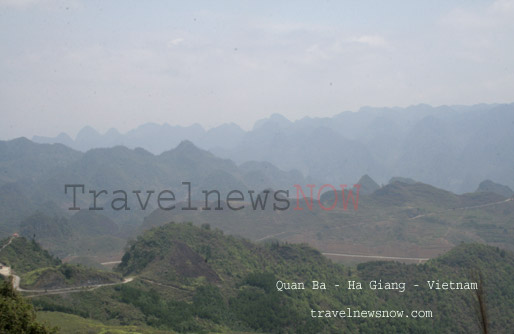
(201, 279)
(152, 261)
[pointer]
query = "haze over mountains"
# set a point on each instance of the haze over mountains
(444, 148)
(184, 267)
(404, 214)
(32, 177)
(451, 147)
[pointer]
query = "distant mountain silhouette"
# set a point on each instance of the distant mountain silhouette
(34, 176)
(500, 189)
(451, 147)
(368, 185)
(150, 136)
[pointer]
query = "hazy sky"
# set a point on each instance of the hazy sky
(67, 64)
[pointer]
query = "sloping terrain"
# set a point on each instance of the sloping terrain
(191, 279)
(398, 220)
(36, 271)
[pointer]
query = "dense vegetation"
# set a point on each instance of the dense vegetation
(23, 256)
(192, 279)
(40, 270)
(17, 315)
(66, 276)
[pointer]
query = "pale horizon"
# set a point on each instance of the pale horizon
(68, 64)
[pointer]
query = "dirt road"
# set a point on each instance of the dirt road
(7, 272)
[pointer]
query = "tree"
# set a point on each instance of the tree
(16, 315)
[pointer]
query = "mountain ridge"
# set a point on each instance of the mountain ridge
(382, 142)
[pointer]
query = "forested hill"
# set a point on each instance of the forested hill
(194, 279)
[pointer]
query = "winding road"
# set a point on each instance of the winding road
(6, 271)
(8, 243)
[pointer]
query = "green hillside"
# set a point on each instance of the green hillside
(195, 279)
(38, 270)
(23, 255)
(66, 276)
(69, 323)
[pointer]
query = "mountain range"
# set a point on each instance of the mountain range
(33, 176)
(451, 147)
(216, 270)
(403, 216)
